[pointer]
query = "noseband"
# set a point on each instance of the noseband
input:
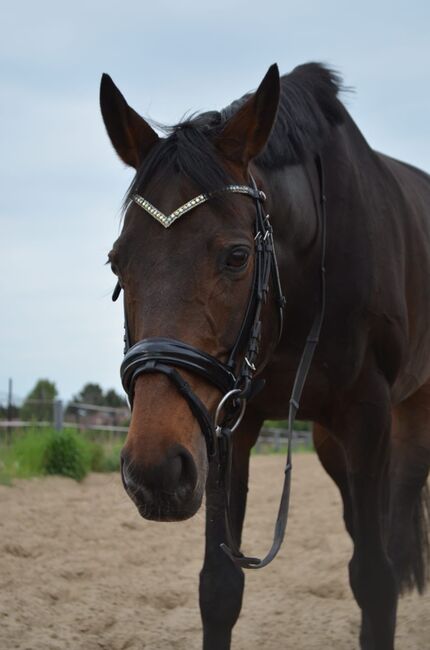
(234, 379)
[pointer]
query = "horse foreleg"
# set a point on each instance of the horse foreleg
(364, 431)
(371, 573)
(221, 582)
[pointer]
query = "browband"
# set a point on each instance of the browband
(167, 220)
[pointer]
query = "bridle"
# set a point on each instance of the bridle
(235, 379)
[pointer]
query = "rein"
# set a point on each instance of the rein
(165, 355)
(232, 548)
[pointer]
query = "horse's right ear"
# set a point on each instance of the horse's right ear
(130, 134)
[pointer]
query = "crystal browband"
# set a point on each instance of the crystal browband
(167, 220)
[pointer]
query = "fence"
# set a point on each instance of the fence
(114, 420)
(56, 414)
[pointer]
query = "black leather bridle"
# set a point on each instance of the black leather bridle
(235, 379)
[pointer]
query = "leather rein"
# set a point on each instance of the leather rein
(234, 379)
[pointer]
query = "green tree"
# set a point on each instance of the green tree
(90, 394)
(93, 395)
(112, 398)
(38, 403)
(6, 412)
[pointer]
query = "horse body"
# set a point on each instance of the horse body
(377, 272)
(371, 370)
(411, 240)
(368, 390)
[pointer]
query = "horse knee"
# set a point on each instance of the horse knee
(220, 593)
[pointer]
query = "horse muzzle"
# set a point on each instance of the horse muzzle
(167, 491)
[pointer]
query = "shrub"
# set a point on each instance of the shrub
(38, 451)
(67, 455)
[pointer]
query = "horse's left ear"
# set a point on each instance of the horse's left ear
(245, 134)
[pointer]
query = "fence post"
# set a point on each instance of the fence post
(58, 415)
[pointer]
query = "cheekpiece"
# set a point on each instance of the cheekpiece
(167, 220)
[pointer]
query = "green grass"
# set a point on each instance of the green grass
(264, 447)
(299, 425)
(38, 452)
(23, 457)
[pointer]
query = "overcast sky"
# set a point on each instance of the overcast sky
(61, 184)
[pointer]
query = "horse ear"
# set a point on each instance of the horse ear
(245, 134)
(130, 134)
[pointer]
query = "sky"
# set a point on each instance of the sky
(61, 184)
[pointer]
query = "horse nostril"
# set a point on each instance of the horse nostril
(173, 474)
(177, 473)
(123, 471)
(188, 476)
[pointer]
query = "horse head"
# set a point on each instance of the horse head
(188, 280)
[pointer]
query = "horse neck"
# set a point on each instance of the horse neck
(294, 194)
(294, 204)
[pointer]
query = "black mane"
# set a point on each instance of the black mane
(308, 109)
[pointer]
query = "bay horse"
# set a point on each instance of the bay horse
(187, 265)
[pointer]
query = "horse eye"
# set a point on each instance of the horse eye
(237, 257)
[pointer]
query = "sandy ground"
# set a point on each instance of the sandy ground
(80, 570)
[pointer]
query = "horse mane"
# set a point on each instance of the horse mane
(308, 109)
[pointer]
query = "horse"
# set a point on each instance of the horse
(186, 259)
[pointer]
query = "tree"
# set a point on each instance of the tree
(93, 394)
(112, 398)
(38, 403)
(7, 412)
(90, 394)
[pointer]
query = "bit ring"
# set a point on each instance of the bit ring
(227, 397)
